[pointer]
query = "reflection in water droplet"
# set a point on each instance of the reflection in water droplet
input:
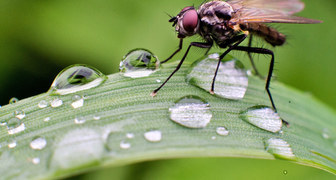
(222, 131)
(76, 78)
(19, 114)
(153, 136)
(56, 102)
(125, 145)
(325, 133)
(231, 80)
(130, 135)
(191, 111)
(36, 160)
(279, 148)
(46, 119)
(79, 120)
(77, 101)
(263, 117)
(13, 100)
(12, 143)
(42, 104)
(138, 63)
(14, 125)
(38, 143)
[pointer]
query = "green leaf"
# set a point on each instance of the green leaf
(120, 123)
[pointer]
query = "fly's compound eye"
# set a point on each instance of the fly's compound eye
(190, 20)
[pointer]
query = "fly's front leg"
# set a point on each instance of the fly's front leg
(196, 44)
(270, 71)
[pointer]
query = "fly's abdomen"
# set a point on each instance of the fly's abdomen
(270, 35)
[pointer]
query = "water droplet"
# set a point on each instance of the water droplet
(38, 143)
(125, 145)
(158, 80)
(191, 111)
(13, 100)
(263, 117)
(96, 117)
(3, 122)
(153, 136)
(285, 172)
(36, 160)
(46, 119)
(56, 102)
(76, 78)
(79, 120)
(138, 63)
(19, 114)
(231, 80)
(222, 131)
(130, 135)
(279, 148)
(213, 137)
(15, 125)
(12, 143)
(42, 104)
(77, 101)
(325, 133)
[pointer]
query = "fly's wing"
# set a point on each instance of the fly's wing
(268, 11)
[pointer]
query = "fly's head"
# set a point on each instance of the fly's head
(186, 22)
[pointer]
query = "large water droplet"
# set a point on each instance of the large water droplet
(138, 63)
(12, 143)
(231, 80)
(125, 145)
(222, 131)
(38, 143)
(77, 101)
(76, 78)
(42, 104)
(263, 117)
(191, 111)
(279, 148)
(15, 125)
(19, 114)
(153, 136)
(13, 100)
(56, 102)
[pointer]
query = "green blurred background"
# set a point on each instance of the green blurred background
(39, 38)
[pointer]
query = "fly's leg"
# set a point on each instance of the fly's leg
(177, 50)
(251, 59)
(236, 40)
(196, 44)
(270, 71)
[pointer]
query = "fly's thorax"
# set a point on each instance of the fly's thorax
(215, 12)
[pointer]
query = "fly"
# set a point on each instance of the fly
(229, 23)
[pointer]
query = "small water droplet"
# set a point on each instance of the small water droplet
(158, 80)
(46, 119)
(96, 117)
(285, 172)
(77, 101)
(231, 80)
(15, 125)
(279, 148)
(138, 63)
(42, 104)
(222, 131)
(12, 143)
(325, 133)
(13, 100)
(19, 114)
(130, 135)
(76, 78)
(38, 143)
(153, 136)
(125, 145)
(35, 160)
(213, 137)
(56, 103)
(263, 117)
(79, 120)
(191, 111)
